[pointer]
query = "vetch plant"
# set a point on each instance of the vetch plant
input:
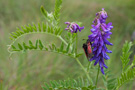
(100, 33)
(95, 49)
(73, 27)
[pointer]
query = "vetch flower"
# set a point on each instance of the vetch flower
(100, 33)
(73, 27)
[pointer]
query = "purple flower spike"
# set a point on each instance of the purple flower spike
(73, 27)
(100, 33)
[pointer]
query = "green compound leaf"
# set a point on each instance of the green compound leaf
(128, 71)
(125, 56)
(70, 84)
(57, 10)
(109, 80)
(44, 28)
(53, 17)
(33, 29)
(38, 45)
(125, 78)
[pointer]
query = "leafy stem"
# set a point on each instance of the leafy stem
(80, 62)
(90, 80)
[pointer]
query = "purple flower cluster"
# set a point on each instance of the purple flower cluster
(100, 33)
(73, 27)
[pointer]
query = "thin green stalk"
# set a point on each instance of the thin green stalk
(62, 40)
(88, 67)
(76, 44)
(90, 80)
(97, 76)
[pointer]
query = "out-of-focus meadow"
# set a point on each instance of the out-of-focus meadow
(28, 71)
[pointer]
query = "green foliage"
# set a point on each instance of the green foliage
(44, 28)
(70, 84)
(125, 77)
(30, 29)
(9, 20)
(53, 17)
(57, 10)
(40, 46)
(48, 16)
(109, 80)
(125, 56)
(33, 29)
(128, 73)
(70, 37)
(68, 48)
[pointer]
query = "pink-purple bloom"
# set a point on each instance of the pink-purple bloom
(100, 33)
(73, 27)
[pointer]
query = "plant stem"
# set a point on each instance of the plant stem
(97, 76)
(88, 67)
(62, 40)
(76, 44)
(90, 80)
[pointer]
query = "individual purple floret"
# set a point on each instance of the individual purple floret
(100, 33)
(73, 27)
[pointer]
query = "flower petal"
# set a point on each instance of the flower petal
(107, 42)
(95, 48)
(109, 51)
(105, 66)
(67, 23)
(93, 58)
(97, 60)
(99, 50)
(101, 67)
(92, 35)
(80, 28)
(106, 56)
(66, 28)
(101, 41)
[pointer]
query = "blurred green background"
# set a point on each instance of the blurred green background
(28, 71)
